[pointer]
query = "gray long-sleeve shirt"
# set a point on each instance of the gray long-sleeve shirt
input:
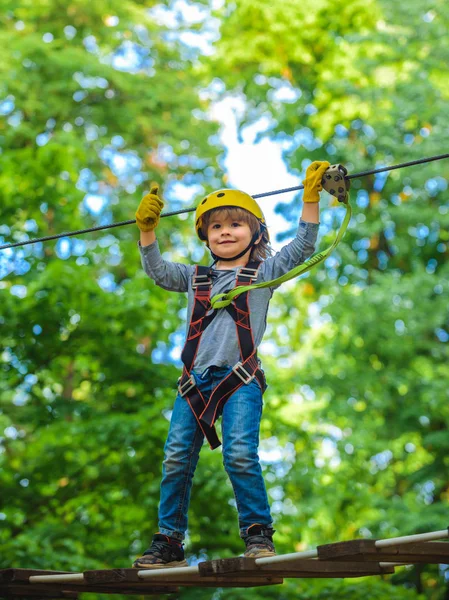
(219, 342)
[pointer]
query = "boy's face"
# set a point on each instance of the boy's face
(228, 237)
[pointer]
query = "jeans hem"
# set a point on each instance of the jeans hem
(243, 530)
(173, 534)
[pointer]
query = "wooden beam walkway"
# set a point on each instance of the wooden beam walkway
(354, 558)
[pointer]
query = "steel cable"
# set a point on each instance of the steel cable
(187, 210)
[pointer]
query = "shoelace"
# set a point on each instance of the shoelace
(259, 539)
(158, 548)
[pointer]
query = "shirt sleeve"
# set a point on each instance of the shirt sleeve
(292, 254)
(170, 276)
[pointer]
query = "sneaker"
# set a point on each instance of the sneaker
(164, 553)
(259, 541)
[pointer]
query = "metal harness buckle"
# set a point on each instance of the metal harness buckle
(186, 386)
(200, 280)
(244, 374)
(248, 272)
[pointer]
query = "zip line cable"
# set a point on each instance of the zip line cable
(187, 210)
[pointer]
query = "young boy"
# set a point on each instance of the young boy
(222, 375)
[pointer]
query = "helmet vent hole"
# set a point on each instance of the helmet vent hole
(220, 195)
(204, 201)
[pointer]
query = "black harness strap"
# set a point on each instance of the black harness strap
(242, 373)
(202, 284)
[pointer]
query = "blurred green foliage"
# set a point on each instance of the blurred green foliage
(355, 429)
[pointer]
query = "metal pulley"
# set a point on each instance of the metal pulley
(335, 182)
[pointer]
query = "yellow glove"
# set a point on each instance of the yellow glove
(312, 182)
(148, 213)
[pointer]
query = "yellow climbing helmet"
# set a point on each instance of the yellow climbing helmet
(227, 197)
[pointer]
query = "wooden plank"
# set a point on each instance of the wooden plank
(143, 588)
(302, 568)
(127, 581)
(231, 582)
(127, 576)
(365, 550)
(60, 590)
(228, 565)
(327, 569)
(10, 575)
(22, 591)
(421, 552)
(233, 572)
(99, 576)
(15, 578)
(247, 579)
(344, 549)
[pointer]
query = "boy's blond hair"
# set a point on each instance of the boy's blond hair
(260, 251)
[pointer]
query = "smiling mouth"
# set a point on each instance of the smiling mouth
(226, 243)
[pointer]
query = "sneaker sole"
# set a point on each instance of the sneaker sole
(262, 554)
(171, 565)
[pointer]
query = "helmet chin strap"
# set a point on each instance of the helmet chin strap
(250, 245)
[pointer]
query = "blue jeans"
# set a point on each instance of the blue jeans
(240, 430)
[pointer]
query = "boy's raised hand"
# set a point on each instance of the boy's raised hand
(312, 182)
(148, 213)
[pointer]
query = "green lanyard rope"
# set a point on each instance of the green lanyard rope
(222, 300)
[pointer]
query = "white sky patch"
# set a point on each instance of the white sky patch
(94, 203)
(198, 41)
(185, 193)
(127, 60)
(20, 291)
(255, 168)
(286, 93)
(164, 16)
(120, 164)
(181, 15)
(270, 455)
(182, 12)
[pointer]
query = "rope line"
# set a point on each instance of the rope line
(187, 210)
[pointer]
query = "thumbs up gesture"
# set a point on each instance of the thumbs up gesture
(149, 211)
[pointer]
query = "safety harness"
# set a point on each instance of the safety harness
(235, 301)
(207, 412)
